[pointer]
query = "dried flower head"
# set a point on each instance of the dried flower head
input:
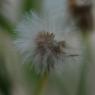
(47, 51)
(82, 12)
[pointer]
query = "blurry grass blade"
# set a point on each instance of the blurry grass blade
(27, 5)
(6, 25)
(5, 82)
(87, 61)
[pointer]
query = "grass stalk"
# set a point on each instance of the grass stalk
(85, 66)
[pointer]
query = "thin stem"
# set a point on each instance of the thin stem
(42, 84)
(85, 66)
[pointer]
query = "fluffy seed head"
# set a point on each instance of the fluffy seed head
(37, 45)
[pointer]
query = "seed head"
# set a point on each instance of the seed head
(49, 51)
(82, 13)
(36, 44)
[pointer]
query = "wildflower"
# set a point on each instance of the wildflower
(38, 43)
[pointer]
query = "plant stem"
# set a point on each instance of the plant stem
(85, 65)
(42, 84)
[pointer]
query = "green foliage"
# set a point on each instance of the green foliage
(6, 25)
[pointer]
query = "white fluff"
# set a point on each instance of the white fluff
(56, 20)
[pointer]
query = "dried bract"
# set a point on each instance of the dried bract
(49, 51)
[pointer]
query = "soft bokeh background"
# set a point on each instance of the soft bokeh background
(71, 78)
